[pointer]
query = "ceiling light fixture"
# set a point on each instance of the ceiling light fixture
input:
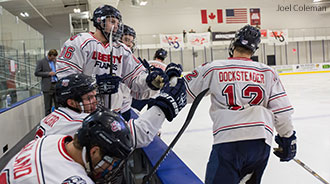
(24, 14)
(143, 3)
(76, 10)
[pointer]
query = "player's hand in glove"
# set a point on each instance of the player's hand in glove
(156, 79)
(107, 84)
(287, 147)
(173, 70)
(171, 99)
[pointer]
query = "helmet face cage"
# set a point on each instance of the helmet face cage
(106, 16)
(247, 37)
(105, 169)
(74, 87)
(111, 24)
(89, 102)
(109, 131)
(128, 37)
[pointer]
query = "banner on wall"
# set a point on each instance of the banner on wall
(263, 33)
(209, 16)
(220, 36)
(12, 66)
(198, 39)
(279, 37)
(174, 41)
(255, 16)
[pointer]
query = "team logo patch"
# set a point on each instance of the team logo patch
(115, 126)
(65, 82)
(74, 180)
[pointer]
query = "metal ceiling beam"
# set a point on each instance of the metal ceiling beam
(35, 9)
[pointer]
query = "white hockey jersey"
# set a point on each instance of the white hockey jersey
(83, 53)
(247, 99)
(62, 121)
(44, 161)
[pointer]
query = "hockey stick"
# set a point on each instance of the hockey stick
(111, 60)
(310, 170)
(191, 113)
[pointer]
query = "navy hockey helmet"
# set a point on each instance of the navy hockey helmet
(127, 40)
(73, 87)
(108, 130)
(129, 31)
(247, 37)
(160, 54)
(99, 16)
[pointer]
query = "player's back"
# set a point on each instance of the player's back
(240, 92)
(63, 121)
(44, 160)
(237, 84)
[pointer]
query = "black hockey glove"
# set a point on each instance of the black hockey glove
(287, 147)
(156, 79)
(173, 70)
(107, 84)
(145, 64)
(171, 99)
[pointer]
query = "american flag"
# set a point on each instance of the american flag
(236, 15)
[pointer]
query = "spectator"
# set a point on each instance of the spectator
(209, 29)
(192, 31)
(46, 69)
(184, 35)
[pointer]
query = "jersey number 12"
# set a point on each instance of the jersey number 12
(250, 91)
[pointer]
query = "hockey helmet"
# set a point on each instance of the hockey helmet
(73, 87)
(99, 17)
(160, 54)
(129, 31)
(127, 40)
(247, 37)
(108, 130)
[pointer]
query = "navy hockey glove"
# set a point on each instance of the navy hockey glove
(107, 84)
(156, 79)
(171, 99)
(173, 70)
(287, 147)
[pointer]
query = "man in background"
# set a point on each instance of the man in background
(46, 69)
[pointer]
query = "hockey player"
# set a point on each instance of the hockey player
(128, 37)
(159, 57)
(76, 95)
(98, 149)
(247, 102)
(90, 54)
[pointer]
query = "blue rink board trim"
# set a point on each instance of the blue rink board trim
(172, 170)
(19, 103)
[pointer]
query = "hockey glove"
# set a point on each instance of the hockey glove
(171, 99)
(173, 70)
(156, 79)
(287, 147)
(107, 84)
(144, 63)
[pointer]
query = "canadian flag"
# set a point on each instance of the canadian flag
(215, 17)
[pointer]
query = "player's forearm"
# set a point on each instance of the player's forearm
(148, 125)
(283, 126)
